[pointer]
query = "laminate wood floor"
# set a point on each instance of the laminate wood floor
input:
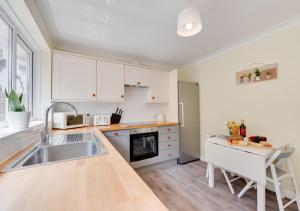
(184, 188)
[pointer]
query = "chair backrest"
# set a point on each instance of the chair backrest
(286, 153)
(280, 154)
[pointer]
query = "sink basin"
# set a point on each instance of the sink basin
(46, 154)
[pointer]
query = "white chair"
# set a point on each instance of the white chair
(228, 181)
(224, 172)
(275, 175)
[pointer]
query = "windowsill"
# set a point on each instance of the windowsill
(5, 132)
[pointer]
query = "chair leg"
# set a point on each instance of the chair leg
(291, 171)
(247, 187)
(206, 176)
(227, 180)
(277, 188)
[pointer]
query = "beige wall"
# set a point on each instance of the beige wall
(270, 108)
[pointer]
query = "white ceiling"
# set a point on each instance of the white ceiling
(145, 30)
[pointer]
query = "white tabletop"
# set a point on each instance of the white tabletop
(262, 151)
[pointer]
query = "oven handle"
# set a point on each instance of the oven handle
(182, 114)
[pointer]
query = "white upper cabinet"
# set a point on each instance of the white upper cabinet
(136, 76)
(73, 77)
(159, 87)
(110, 82)
(80, 78)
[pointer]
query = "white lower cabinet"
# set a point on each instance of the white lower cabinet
(168, 143)
(120, 140)
(167, 139)
(168, 154)
(168, 147)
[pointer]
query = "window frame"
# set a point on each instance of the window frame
(21, 41)
(17, 37)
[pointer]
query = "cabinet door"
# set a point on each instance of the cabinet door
(136, 76)
(120, 140)
(159, 87)
(110, 82)
(73, 77)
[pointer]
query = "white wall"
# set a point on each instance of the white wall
(135, 108)
(270, 108)
(172, 109)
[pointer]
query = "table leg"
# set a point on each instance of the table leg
(211, 175)
(261, 197)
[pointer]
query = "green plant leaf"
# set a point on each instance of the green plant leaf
(21, 97)
(14, 102)
(7, 95)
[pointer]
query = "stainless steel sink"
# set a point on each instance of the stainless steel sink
(46, 154)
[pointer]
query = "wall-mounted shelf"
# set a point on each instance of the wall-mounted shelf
(266, 72)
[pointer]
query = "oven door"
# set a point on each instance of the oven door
(143, 146)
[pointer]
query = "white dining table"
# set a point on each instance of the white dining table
(246, 161)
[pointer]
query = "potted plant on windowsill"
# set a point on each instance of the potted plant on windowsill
(17, 117)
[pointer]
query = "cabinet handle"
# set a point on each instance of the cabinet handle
(139, 83)
(94, 95)
(153, 97)
(169, 145)
(116, 134)
(122, 96)
(170, 155)
(169, 137)
(168, 129)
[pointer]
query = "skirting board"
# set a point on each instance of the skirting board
(202, 158)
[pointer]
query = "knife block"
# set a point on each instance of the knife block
(115, 118)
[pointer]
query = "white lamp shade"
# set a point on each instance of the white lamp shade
(189, 22)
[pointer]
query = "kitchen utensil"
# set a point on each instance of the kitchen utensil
(116, 117)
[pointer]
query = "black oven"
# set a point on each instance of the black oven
(143, 143)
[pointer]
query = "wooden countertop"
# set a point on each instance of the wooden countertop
(105, 182)
(128, 127)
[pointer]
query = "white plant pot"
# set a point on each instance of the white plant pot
(18, 120)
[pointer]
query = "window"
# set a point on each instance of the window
(23, 72)
(15, 67)
(5, 45)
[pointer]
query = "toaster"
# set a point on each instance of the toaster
(101, 119)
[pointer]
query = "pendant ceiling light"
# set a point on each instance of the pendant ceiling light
(189, 21)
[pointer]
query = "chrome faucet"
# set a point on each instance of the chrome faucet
(45, 133)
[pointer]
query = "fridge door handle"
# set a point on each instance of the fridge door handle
(182, 114)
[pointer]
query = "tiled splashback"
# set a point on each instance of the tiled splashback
(11, 144)
(135, 107)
